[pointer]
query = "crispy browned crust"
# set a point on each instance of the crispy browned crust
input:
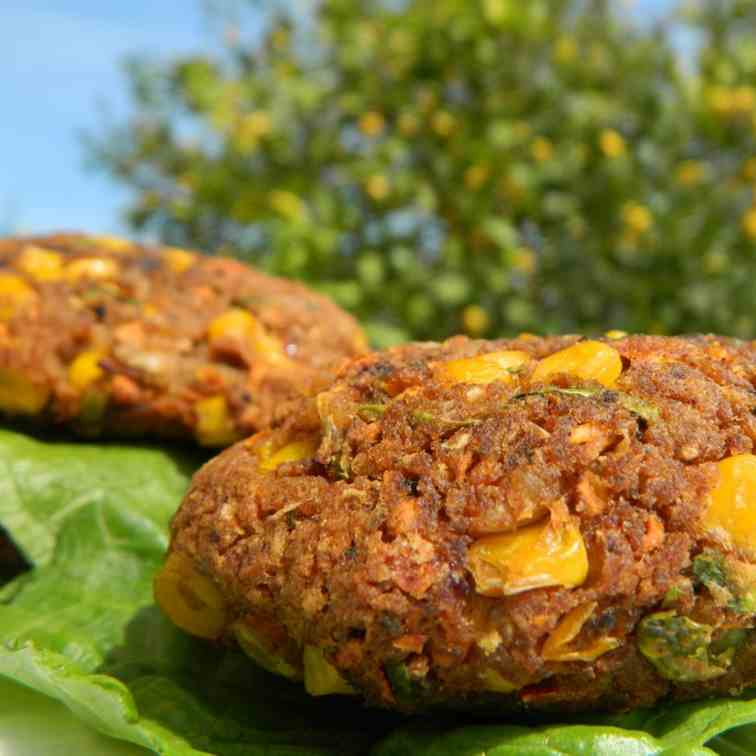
(150, 323)
(363, 550)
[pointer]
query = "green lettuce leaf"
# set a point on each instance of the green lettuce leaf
(82, 628)
(42, 483)
(22, 711)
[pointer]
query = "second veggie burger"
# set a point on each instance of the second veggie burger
(113, 338)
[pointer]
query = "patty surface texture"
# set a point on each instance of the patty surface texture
(529, 524)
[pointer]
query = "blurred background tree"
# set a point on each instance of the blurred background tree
(444, 165)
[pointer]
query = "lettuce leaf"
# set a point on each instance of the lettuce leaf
(41, 484)
(22, 711)
(82, 628)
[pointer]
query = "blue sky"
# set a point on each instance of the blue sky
(58, 59)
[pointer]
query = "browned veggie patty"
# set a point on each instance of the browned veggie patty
(109, 337)
(537, 523)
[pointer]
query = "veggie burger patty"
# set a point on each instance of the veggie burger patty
(535, 523)
(113, 338)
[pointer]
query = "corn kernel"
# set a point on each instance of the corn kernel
(567, 630)
(615, 334)
(321, 678)
(495, 682)
(556, 647)
(257, 650)
(40, 263)
(265, 344)
(292, 452)
(731, 506)
(242, 326)
(178, 260)
(91, 267)
(18, 395)
(494, 366)
(535, 556)
(231, 324)
(215, 427)
(85, 370)
(14, 292)
(589, 360)
(190, 599)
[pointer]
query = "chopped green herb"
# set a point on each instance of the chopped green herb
(428, 417)
(731, 583)
(406, 688)
(557, 390)
(633, 404)
(91, 410)
(332, 439)
(639, 407)
(371, 412)
(682, 650)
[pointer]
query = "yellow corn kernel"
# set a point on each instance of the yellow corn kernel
(91, 267)
(730, 514)
(40, 263)
(234, 323)
(258, 651)
(567, 630)
(321, 678)
(360, 343)
(590, 653)
(241, 325)
(534, 556)
(292, 452)
(615, 334)
(494, 366)
(178, 260)
(556, 647)
(265, 344)
(190, 599)
(14, 292)
(497, 683)
(215, 426)
(19, 396)
(589, 360)
(84, 370)
(113, 244)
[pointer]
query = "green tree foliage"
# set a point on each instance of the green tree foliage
(445, 165)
